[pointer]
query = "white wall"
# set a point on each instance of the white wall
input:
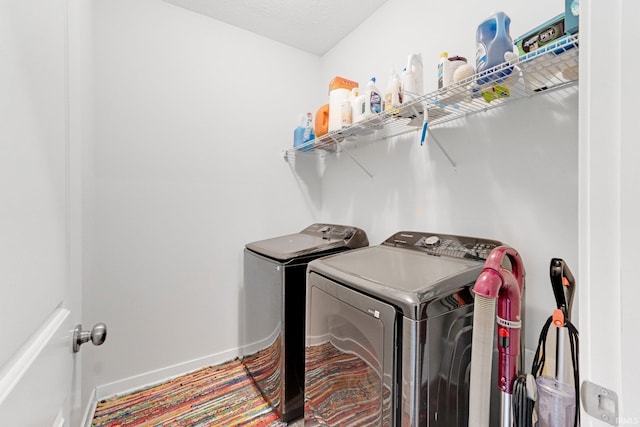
(185, 167)
(516, 178)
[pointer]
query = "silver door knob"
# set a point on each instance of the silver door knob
(97, 335)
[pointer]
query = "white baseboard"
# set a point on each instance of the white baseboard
(90, 409)
(263, 343)
(158, 376)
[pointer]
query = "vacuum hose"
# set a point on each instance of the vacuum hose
(484, 314)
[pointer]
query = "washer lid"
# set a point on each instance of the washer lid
(314, 239)
(406, 278)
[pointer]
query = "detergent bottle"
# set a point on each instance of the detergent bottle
(308, 133)
(412, 78)
(339, 93)
(375, 99)
(358, 105)
(322, 120)
(298, 133)
(493, 40)
(393, 96)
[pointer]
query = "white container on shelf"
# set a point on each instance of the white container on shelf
(447, 68)
(413, 78)
(339, 93)
(375, 97)
(358, 105)
(393, 96)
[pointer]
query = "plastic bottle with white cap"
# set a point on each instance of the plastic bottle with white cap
(412, 78)
(375, 98)
(393, 96)
(359, 105)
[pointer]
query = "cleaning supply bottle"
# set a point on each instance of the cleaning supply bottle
(412, 78)
(393, 97)
(493, 40)
(358, 105)
(375, 99)
(345, 111)
(447, 67)
(322, 121)
(308, 134)
(298, 132)
(442, 65)
(339, 91)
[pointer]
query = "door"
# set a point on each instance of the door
(350, 371)
(38, 218)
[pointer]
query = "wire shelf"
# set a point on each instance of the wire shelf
(550, 68)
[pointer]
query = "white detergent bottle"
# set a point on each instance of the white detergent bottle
(358, 105)
(413, 78)
(393, 97)
(375, 99)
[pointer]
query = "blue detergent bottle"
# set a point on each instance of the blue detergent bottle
(493, 40)
(298, 133)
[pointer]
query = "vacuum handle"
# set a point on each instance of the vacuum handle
(496, 257)
(563, 284)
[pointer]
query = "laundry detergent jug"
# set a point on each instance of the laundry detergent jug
(322, 120)
(412, 78)
(493, 40)
(339, 94)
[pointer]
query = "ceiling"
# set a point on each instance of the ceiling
(314, 26)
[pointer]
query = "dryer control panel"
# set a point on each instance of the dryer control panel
(352, 236)
(444, 244)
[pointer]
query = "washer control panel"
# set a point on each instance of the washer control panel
(444, 244)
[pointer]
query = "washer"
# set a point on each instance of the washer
(388, 332)
(272, 325)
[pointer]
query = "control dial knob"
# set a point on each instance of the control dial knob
(432, 241)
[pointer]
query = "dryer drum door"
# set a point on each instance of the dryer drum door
(349, 356)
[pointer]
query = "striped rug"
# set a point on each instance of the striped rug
(222, 395)
(341, 389)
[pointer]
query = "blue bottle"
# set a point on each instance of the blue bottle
(298, 133)
(493, 40)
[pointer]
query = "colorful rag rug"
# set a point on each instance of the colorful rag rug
(341, 389)
(222, 395)
(264, 367)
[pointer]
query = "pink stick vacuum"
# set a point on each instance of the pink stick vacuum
(506, 285)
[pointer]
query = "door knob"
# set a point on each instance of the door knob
(97, 335)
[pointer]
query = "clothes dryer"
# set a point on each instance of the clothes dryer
(273, 314)
(389, 331)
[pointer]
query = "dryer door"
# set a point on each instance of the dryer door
(349, 356)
